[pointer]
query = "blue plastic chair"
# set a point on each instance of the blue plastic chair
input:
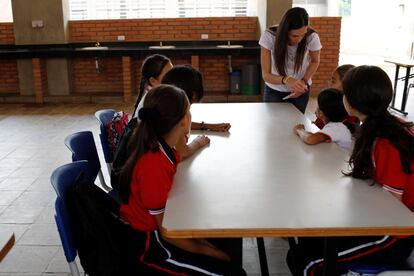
(82, 146)
(104, 116)
(62, 179)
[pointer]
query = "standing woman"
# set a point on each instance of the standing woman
(289, 58)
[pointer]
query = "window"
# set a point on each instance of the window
(207, 8)
(121, 9)
(6, 14)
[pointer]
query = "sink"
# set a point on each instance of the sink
(226, 46)
(95, 48)
(160, 47)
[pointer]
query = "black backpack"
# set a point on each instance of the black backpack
(121, 153)
(106, 245)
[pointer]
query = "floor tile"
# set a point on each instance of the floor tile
(276, 260)
(27, 172)
(250, 261)
(16, 183)
(58, 264)
(47, 216)
(6, 171)
(33, 259)
(40, 234)
(20, 274)
(41, 184)
(20, 215)
(7, 197)
(2, 208)
(17, 229)
(12, 162)
(34, 199)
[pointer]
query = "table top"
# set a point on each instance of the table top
(261, 180)
(401, 62)
(6, 242)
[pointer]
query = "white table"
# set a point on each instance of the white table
(261, 180)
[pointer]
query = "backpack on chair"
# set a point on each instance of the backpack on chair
(114, 129)
(121, 153)
(105, 244)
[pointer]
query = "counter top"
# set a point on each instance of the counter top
(136, 49)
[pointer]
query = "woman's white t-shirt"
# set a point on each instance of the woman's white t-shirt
(267, 41)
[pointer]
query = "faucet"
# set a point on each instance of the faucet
(97, 44)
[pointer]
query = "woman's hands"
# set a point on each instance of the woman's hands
(297, 87)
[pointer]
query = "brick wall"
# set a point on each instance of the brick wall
(6, 33)
(214, 68)
(329, 30)
(167, 29)
(9, 82)
(85, 78)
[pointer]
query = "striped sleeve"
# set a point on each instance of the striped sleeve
(155, 185)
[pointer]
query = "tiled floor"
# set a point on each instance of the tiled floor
(31, 146)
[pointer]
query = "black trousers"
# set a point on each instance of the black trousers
(158, 257)
(306, 258)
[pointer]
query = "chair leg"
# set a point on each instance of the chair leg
(264, 269)
(102, 180)
(73, 268)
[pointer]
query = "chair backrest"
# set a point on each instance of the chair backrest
(104, 116)
(63, 179)
(83, 147)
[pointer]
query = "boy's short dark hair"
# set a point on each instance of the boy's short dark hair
(330, 102)
(188, 79)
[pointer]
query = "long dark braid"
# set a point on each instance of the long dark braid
(151, 67)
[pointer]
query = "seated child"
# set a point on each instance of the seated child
(153, 70)
(336, 83)
(190, 80)
(147, 178)
(332, 113)
(384, 153)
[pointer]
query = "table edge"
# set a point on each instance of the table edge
(286, 232)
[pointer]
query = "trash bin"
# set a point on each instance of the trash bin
(235, 77)
(250, 79)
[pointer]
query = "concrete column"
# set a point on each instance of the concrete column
(51, 18)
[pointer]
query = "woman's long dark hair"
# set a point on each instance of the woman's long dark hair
(368, 90)
(293, 19)
(164, 107)
(151, 67)
(331, 104)
(187, 78)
